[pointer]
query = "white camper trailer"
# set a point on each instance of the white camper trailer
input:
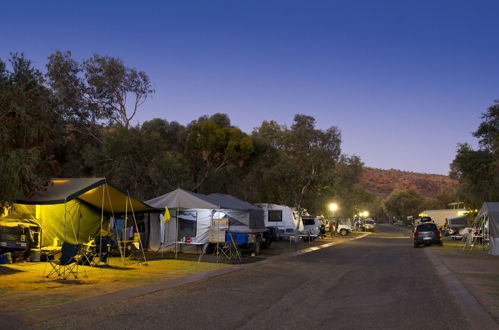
(439, 216)
(281, 220)
(192, 215)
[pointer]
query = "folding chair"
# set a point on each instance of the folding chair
(68, 263)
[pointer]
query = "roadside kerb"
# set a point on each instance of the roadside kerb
(18, 320)
(475, 312)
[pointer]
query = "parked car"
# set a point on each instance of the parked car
(427, 234)
(368, 225)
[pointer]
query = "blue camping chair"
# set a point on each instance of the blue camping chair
(68, 262)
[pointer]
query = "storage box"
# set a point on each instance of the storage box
(238, 238)
(216, 236)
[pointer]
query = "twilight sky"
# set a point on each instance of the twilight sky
(405, 81)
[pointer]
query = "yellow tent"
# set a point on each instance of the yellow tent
(74, 210)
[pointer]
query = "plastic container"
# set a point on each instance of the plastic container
(238, 238)
(35, 255)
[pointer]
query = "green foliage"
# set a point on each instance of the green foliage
(488, 131)
(137, 160)
(213, 147)
(299, 161)
(102, 88)
(403, 203)
(28, 129)
(478, 174)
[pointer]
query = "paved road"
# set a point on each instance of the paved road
(378, 282)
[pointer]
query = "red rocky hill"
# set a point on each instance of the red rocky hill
(383, 182)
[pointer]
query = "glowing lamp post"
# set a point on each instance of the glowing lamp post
(332, 207)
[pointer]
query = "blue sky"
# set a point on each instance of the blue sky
(405, 81)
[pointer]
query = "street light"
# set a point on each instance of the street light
(333, 207)
(365, 214)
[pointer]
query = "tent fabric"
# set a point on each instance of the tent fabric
(95, 191)
(490, 211)
(72, 222)
(243, 217)
(255, 222)
(180, 198)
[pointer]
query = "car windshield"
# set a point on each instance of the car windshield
(369, 222)
(426, 227)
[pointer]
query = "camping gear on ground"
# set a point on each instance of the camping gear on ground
(5, 258)
(68, 262)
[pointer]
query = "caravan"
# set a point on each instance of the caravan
(281, 220)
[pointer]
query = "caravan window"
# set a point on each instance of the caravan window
(275, 215)
(187, 223)
(308, 221)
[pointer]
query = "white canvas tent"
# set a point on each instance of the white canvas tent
(192, 215)
(487, 221)
(179, 202)
(282, 218)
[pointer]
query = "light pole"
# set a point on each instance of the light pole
(332, 207)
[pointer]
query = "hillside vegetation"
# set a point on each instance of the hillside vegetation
(383, 182)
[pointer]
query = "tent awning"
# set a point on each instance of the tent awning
(95, 191)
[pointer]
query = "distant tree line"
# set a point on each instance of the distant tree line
(75, 120)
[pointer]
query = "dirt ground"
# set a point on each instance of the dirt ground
(23, 286)
(477, 270)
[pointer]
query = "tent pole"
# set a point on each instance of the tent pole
(137, 227)
(126, 229)
(101, 221)
(114, 217)
(65, 200)
(176, 232)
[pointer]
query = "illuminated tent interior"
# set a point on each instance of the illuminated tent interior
(73, 210)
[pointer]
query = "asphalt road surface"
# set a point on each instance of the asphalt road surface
(378, 282)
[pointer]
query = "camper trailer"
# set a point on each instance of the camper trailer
(439, 216)
(282, 221)
(193, 214)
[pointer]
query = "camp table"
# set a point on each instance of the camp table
(180, 243)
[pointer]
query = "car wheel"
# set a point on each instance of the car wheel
(416, 245)
(441, 244)
(343, 232)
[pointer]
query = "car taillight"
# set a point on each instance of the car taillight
(437, 232)
(416, 233)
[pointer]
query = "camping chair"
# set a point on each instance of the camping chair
(68, 262)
